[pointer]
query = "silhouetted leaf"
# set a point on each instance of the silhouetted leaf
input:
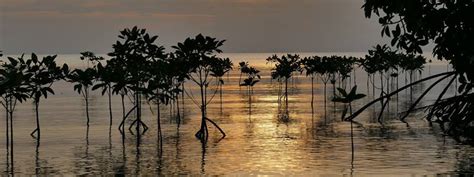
(342, 91)
(359, 96)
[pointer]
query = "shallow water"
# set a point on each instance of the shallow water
(257, 142)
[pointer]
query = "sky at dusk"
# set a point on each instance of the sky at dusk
(72, 26)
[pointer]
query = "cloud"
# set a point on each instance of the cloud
(104, 9)
(249, 25)
(100, 15)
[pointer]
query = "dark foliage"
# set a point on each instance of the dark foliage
(200, 60)
(447, 24)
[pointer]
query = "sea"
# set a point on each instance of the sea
(312, 141)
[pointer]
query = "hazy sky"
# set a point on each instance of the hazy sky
(72, 26)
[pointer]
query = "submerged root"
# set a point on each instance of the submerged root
(122, 124)
(215, 125)
(32, 134)
(203, 133)
(138, 122)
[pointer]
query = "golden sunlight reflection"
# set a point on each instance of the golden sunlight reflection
(309, 143)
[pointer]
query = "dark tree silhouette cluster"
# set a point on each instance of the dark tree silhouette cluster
(138, 68)
(448, 25)
(202, 65)
(23, 79)
(284, 68)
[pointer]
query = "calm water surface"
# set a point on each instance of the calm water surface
(257, 143)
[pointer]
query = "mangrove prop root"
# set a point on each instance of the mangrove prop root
(201, 134)
(355, 114)
(138, 122)
(420, 97)
(123, 120)
(33, 133)
(440, 96)
(131, 125)
(219, 128)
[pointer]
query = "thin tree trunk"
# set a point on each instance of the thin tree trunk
(312, 100)
(110, 107)
(171, 110)
(250, 96)
(38, 131)
(159, 126)
(87, 105)
(250, 101)
(368, 87)
(333, 84)
(338, 81)
(373, 85)
(279, 94)
(138, 112)
(349, 81)
(178, 117)
(381, 85)
(122, 124)
(182, 96)
(11, 136)
(286, 94)
(352, 137)
(325, 102)
(312, 92)
(381, 93)
(220, 93)
(355, 77)
(201, 133)
(7, 116)
(388, 91)
(205, 112)
(411, 88)
(397, 94)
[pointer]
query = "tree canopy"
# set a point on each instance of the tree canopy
(415, 23)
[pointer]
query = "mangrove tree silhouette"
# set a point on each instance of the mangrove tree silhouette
(199, 54)
(413, 24)
(44, 73)
(283, 69)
